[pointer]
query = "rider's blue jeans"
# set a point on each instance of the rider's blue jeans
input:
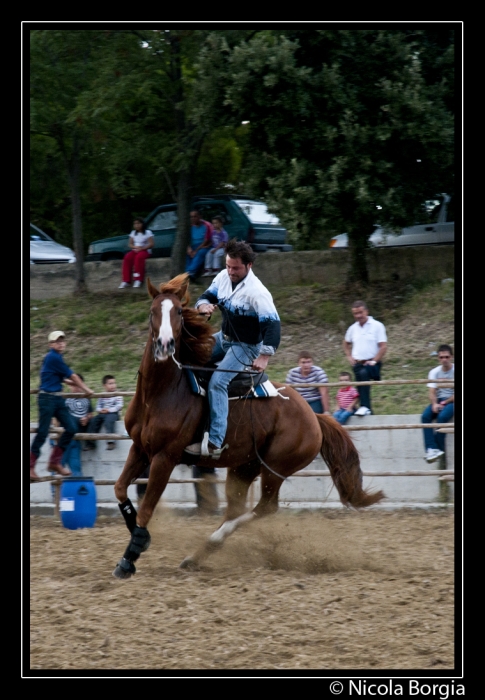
(432, 439)
(231, 356)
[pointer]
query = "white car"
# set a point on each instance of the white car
(44, 250)
(439, 233)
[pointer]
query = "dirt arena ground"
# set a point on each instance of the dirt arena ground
(320, 591)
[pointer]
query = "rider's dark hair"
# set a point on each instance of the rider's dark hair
(241, 250)
(107, 377)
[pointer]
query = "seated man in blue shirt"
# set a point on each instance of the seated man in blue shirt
(53, 373)
(200, 242)
(250, 334)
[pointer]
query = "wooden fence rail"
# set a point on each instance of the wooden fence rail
(440, 473)
(57, 481)
(446, 383)
(443, 427)
(310, 472)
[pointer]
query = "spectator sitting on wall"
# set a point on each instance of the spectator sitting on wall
(442, 404)
(108, 409)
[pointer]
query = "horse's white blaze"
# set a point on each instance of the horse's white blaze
(165, 334)
(228, 528)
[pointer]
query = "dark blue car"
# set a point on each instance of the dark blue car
(244, 218)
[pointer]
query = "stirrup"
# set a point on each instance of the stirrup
(204, 448)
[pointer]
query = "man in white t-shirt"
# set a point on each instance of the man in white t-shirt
(365, 345)
(442, 406)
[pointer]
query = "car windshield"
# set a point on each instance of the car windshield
(163, 220)
(37, 235)
(257, 212)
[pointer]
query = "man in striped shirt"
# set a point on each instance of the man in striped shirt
(308, 373)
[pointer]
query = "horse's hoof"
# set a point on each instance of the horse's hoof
(189, 564)
(124, 569)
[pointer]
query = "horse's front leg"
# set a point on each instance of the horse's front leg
(135, 465)
(160, 469)
(238, 482)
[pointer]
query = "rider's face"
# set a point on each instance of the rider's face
(236, 269)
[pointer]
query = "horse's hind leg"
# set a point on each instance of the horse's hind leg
(270, 488)
(238, 482)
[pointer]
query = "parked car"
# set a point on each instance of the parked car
(44, 250)
(244, 218)
(439, 233)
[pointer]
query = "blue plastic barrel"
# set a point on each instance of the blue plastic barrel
(78, 502)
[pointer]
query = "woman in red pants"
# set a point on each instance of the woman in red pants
(141, 244)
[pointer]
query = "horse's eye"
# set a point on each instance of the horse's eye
(179, 311)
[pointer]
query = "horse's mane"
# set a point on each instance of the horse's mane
(197, 341)
(197, 338)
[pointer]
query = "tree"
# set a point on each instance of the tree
(147, 94)
(342, 122)
(149, 136)
(61, 68)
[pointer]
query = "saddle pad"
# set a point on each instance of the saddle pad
(194, 383)
(263, 390)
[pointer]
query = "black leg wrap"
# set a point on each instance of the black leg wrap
(140, 540)
(129, 513)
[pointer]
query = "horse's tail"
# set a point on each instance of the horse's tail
(342, 458)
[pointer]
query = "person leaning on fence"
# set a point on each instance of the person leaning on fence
(53, 373)
(347, 399)
(308, 373)
(365, 345)
(442, 406)
(108, 409)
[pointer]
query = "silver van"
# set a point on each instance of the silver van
(440, 232)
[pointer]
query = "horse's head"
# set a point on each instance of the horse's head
(166, 317)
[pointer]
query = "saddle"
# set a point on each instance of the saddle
(242, 385)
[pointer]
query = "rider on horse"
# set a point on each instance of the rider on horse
(250, 334)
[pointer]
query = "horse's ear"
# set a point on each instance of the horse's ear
(152, 291)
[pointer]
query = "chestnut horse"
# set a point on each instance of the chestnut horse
(271, 437)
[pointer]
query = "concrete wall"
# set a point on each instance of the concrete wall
(380, 450)
(413, 264)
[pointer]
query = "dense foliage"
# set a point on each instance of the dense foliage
(334, 128)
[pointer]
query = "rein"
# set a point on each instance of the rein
(214, 369)
(208, 369)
